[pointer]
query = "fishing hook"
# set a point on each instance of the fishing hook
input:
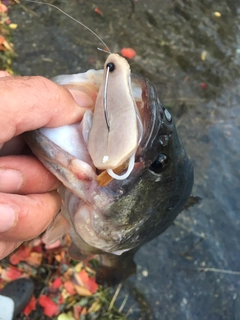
(109, 68)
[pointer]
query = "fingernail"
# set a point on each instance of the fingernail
(7, 217)
(82, 98)
(10, 180)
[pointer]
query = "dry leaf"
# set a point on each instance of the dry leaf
(13, 26)
(82, 291)
(35, 259)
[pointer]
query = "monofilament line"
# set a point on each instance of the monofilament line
(77, 21)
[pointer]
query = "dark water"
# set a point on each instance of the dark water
(171, 39)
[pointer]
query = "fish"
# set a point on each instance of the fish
(124, 171)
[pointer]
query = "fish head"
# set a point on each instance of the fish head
(104, 214)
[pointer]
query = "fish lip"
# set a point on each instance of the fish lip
(151, 116)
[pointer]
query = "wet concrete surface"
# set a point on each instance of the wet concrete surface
(192, 56)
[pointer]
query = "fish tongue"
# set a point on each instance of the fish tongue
(110, 148)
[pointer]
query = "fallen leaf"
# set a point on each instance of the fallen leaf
(203, 85)
(2, 39)
(66, 316)
(8, 46)
(57, 283)
(82, 291)
(78, 267)
(35, 259)
(13, 26)
(95, 306)
(203, 55)
(69, 286)
(49, 307)
(128, 53)
(11, 273)
(65, 294)
(77, 311)
(58, 258)
(3, 8)
(84, 311)
(20, 255)
(98, 11)
(87, 282)
(30, 306)
(217, 14)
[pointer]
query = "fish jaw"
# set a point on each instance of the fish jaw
(74, 173)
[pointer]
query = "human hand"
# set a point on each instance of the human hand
(28, 197)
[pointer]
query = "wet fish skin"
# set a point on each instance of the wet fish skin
(137, 209)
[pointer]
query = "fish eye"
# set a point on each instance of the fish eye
(160, 164)
(111, 66)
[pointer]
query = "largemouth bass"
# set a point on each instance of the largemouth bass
(107, 214)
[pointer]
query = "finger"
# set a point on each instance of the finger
(25, 217)
(7, 247)
(4, 74)
(28, 103)
(25, 174)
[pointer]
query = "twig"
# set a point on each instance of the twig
(123, 303)
(201, 235)
(237, 273)
(115, 297)
(130, 310)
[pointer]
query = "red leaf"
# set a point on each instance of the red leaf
(69, 286)
(128, 53)
(57, 283)
(30, 307)
(89, 283)
(13, 274)
(98, 11)
(83, 276)
(92, 285)
(20, 255)
(77, 311)
(49, 307)
(203, 85)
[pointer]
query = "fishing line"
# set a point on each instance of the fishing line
(75, 20)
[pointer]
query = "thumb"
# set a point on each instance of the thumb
(28, 103)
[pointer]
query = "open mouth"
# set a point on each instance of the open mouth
(76, 154)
